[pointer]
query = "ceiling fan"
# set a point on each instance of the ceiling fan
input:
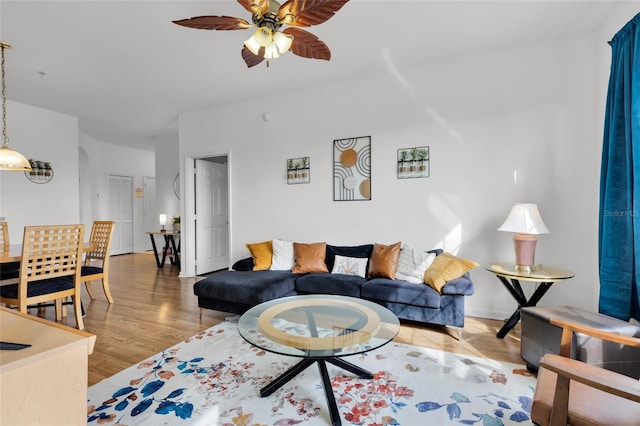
(268, 42)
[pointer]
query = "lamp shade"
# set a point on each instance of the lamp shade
(163, 219)
(524, 218)
(13, 160)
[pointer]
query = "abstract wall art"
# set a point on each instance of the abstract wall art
(352, 169)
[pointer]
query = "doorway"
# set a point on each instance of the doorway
(121, 210)
(211, 214)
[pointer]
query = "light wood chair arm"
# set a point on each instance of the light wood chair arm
(570, 327)
(593, 376)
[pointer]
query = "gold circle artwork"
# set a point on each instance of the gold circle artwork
(365, 188)
(348, 157)
(354, 337)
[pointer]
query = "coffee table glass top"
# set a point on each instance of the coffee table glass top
(318, 326)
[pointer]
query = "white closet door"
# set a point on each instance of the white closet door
(121, 211)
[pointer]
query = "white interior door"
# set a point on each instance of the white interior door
(212, 216)
(121, 211)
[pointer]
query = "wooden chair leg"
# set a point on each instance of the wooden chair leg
(87, 284)
(77, 309)
(59, 307)
(107, 290)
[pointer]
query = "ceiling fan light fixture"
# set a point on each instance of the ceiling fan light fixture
(271, 51)
(263, 36)
(282, 41)
(253, 45)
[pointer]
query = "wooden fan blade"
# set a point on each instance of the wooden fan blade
(308, 45)
(250, 59)
(214, 23)
(255, 6)
(306, 13)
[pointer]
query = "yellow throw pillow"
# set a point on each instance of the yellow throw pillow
(384, 261)
(262, 254)
(309, 258)
(446, 267)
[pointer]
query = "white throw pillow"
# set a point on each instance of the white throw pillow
(282, 259)
(412, 264)
(350, 266)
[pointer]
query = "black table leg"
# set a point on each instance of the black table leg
(285, 377)
(328, 391)
(515, 289)
(363, 374)
(155, 252)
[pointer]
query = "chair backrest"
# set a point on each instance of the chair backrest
(50, 252)
(4, 237)
(100, 240)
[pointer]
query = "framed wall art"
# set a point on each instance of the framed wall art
(298, 170)
(352, 169)
(413, 162)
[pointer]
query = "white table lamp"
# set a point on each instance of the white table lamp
(163, 221)
(524, 219)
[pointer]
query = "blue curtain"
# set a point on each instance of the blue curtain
(619, 236)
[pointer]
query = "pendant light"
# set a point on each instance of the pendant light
(9, 159)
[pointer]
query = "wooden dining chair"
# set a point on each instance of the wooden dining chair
(9, 271)
(571, 392)
(96, 263)
(49, 269)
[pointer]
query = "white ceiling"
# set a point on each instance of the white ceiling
(127, 71)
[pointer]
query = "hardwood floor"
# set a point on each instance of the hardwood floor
(154, 309)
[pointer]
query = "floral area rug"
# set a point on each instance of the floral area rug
(214, 378)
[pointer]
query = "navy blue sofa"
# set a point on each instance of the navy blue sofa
(241, 288)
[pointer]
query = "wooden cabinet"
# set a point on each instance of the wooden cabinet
(45, 384)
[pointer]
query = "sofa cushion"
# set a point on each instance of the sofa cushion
(384, 261)
(262, 254)
(400, 291)
(350, 266)
(327, 283)
(248, 287)
(446, 267)
(283, 258)
(309, 258)
(363, 251)
(412, 264)
(245, 264)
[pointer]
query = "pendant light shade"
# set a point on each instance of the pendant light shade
(12, 160)
(9, 159)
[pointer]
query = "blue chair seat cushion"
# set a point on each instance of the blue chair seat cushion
(38, 288)
(91, 270)
(9, 270)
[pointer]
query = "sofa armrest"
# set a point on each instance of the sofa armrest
(459, 286)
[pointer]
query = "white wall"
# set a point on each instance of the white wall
(167, 167)
(47, 136)
(108, 159)
(510, 126)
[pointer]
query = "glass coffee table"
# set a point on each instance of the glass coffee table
(318, 329)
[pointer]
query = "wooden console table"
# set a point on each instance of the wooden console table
(45, 384)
